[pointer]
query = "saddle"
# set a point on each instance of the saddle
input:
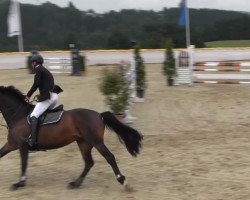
(49, 116)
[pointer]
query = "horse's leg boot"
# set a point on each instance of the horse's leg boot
(33, 126)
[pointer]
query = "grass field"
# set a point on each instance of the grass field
(228, 43)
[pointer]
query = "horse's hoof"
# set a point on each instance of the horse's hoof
(73, 185)
(17, 185)
(121, 179)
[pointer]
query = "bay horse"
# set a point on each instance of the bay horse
(84, 126)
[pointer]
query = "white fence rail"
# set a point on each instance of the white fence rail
(58, 65)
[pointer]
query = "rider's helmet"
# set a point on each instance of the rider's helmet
(37, 58)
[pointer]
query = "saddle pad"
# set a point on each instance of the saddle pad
(48, 118)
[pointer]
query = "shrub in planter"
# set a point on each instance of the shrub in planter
(115, 88)
(140, 73)
(82, 63)
(28, 64)
(169, 63)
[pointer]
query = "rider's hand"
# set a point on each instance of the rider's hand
(36, 98)
(27, 99)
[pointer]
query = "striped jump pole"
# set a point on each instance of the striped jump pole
(222, 66)
(221, 72)
(222, 82)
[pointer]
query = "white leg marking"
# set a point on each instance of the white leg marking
(118, 176)
(23, 178)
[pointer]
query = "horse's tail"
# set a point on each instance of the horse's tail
(131, 137)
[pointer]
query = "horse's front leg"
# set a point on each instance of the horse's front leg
(6, 149)
(23, 149)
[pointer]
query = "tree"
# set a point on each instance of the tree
(49, 26)
(118, 40)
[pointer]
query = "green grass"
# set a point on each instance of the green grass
(228, 43)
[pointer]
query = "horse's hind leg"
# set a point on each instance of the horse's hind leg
(85, 149)
(101, 147)
(6, 149)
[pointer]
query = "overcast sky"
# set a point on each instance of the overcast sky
(101, 6)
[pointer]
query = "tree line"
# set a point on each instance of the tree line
(50, 27)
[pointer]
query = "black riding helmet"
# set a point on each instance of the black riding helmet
(37, 58)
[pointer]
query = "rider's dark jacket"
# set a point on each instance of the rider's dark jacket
(44, 81)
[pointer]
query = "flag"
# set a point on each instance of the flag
(14, 20)
(182, 17)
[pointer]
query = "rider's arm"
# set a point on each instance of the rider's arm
(36, 83)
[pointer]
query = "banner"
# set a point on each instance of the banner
(182, 17)
(14, 20)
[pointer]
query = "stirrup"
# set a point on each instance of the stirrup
(31, 143)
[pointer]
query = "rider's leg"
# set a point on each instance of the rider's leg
(53, 100)
(38, 110)
(33, 126)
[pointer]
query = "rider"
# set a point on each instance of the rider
(44, 81)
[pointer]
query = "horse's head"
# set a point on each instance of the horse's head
(12, 103)
(10, 95)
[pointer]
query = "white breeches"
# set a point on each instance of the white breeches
(44, 105)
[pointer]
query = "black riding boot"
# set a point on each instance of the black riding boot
(33, 126)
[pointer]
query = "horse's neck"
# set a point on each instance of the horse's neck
(15, 113)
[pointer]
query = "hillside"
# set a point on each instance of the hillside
(228, 43)
(49, 27)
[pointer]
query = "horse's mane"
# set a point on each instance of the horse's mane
(12, 91)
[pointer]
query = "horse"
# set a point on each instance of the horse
(84, 126)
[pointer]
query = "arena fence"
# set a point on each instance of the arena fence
(58, 65)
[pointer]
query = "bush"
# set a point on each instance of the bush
(28, 64)
(82, 63)
(114, 86)
(169, 63)
(140, 70)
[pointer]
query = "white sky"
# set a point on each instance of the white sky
(101, 6)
